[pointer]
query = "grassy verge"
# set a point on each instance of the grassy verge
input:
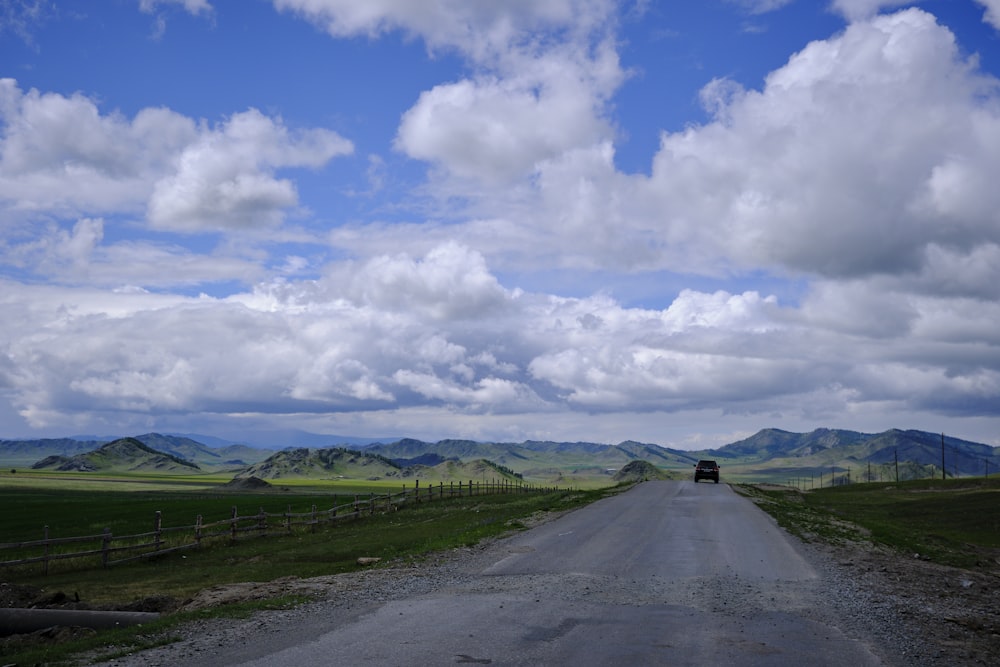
(411, 533)
(952, 522)
(116, 643)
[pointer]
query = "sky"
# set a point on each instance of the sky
(594, 220)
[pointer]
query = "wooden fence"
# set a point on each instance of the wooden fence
(109, 549)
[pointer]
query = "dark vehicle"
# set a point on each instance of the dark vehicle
(706, 470)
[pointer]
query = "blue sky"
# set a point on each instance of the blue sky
(574, 220)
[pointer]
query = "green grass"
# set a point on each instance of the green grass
(953, 522)
(74, 504)
(411, 531)
(406, 535)
(72, 512)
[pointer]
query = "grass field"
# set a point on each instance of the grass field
(74, 504)
(415, 529)
(953, 522)
(410, 533)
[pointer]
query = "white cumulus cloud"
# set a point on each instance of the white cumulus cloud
(226, 178)
(788, 176)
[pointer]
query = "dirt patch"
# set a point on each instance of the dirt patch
(250, 483)
(16, 596)
(251, 591)
(954, 610)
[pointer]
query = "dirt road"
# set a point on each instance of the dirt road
(668, 573)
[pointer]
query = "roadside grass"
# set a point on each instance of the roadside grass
(410, 534)
(953, 522)
(119, 642)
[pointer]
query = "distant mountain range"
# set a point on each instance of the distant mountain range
(918, 452)
(342, 463)
(228, 457)
(770, 453)
(125, 455)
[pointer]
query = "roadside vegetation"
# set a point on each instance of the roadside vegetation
(410, 534)
(952, 522)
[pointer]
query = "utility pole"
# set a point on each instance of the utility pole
(895, 455)
(942, 456)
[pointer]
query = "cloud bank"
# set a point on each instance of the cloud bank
(860, 168)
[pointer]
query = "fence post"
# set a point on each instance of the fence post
(45, 562)
(158, 531)
(417, 493)
(356, 513)
(288, 520)
(232, 524)
(371, 504)
(106, 547)
(314, 518)
(197, 531)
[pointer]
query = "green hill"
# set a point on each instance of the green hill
(476, 471)
(230, 457)
(339, 462)
(26, 452)
(639, 471)
(329, 463)
(124, 455)
(777, 455)
(543, 461)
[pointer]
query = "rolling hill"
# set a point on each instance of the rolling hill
(228, 457)
(124, 455)
(232, 457)
(640, 471)
(550, 462)
(26, 452)
(771, 452)
(341, 463)
(329, 463)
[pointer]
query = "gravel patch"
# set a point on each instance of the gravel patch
(914, 611)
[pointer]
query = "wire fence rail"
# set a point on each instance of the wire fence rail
(106, 549)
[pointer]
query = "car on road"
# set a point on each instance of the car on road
(706, 470)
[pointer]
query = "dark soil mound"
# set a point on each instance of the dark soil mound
(639, 471)
(247, 483)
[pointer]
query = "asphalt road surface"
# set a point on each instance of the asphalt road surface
(669, 573)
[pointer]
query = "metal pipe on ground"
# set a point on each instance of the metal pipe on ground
(19, 621)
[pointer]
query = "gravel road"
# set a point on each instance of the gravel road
(668, 573)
